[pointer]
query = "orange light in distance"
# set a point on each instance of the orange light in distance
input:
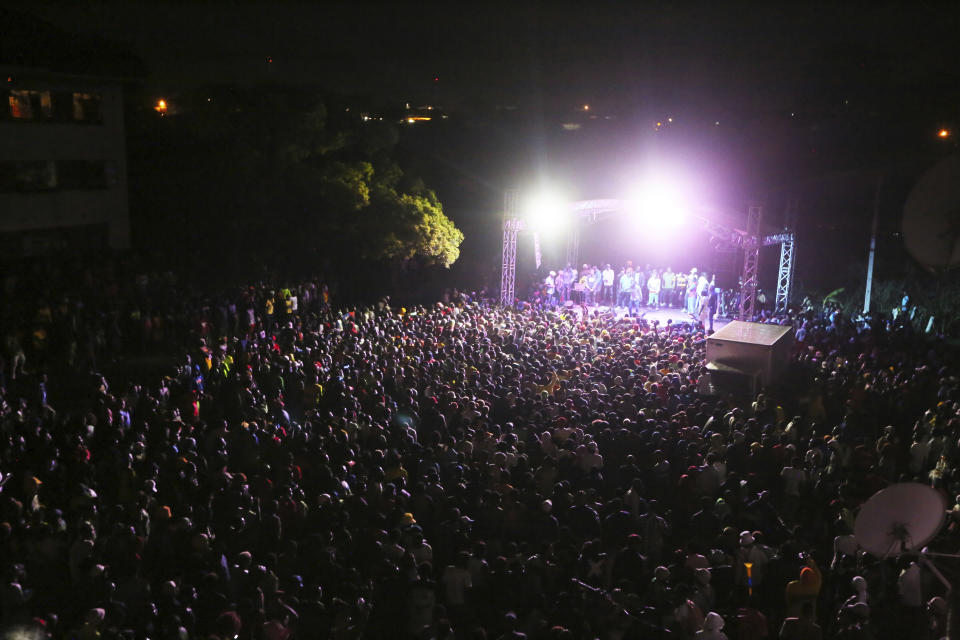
(943, 133)
(161, 106)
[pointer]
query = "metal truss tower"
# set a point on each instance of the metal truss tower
(785, 275)
(751, 259)
(511, 227)
(590, 211)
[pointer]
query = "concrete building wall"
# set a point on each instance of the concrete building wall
(50, 162)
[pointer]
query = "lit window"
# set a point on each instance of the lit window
(26, 104)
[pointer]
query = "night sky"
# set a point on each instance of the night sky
(813, 101)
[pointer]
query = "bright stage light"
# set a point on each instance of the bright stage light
(659, 203)
(545, 211)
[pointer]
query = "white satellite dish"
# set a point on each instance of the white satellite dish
(901, 518)
(931, 216)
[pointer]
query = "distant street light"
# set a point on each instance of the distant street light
(943, 133)
(161, 107)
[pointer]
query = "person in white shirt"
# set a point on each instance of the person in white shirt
(692, 297)
(626, 287)
(653, 287)
(551, 289)
(606, 297)
(456, 580)
(702, 283)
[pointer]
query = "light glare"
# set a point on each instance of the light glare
(544, 211)
(659, 204)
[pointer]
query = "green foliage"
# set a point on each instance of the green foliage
(271, 168)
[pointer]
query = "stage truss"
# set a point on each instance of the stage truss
(749, 240)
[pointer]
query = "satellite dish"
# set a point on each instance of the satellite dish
(903, 517)
(931, 216)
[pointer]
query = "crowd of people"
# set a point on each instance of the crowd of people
(632, 289)
(461, 470)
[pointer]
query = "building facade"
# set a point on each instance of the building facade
(63, 173)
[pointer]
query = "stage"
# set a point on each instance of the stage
(677, 316)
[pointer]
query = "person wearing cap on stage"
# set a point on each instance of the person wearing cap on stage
(609, 277)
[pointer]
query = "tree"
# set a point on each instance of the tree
(271, 170)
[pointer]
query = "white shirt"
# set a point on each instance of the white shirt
(608, 276)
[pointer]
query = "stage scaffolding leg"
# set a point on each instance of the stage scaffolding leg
(785, 275)
(511, 226)
(751, 257)
(508, 274)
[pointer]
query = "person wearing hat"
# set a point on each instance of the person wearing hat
(712, 628)
(751, 563)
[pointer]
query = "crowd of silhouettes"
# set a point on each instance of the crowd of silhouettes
(460, 470)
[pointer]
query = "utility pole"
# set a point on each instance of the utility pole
(873, 246)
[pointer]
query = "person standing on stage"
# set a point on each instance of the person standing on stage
(681, 290)
(570, 280)
(608, 280)
(653, 289)
(636, 295)
(626, 287)
(703, 283)
(562, 286)
(692, 292)
(713, 303)
(703, 308)
(550, 284)
(669, 279)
